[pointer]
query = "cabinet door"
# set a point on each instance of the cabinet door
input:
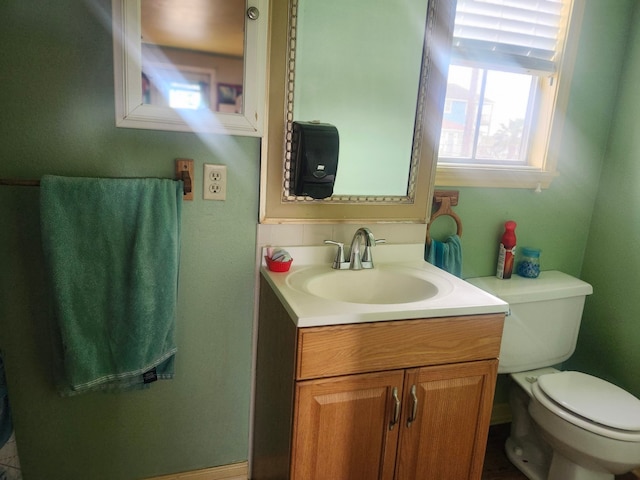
(344, 427)
(445, 421)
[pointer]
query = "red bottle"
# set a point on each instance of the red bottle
(507, 251)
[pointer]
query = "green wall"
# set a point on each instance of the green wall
(609, 340)
(56, 93)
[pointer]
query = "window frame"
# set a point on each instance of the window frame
(544, 143)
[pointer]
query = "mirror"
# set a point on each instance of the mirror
(379, 75)
(370, 90)
(191, 65)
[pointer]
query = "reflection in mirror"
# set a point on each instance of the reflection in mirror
(380, 87)
(192, 53)
(191, 65)
(358, 67)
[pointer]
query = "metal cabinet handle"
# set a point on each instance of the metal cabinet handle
(414, 408)
(396, 408)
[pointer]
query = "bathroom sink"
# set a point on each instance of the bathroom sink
(380, 285)
(401, 286)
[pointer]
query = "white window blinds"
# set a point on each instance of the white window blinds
(521, 34)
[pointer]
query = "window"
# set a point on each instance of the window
(509, 73)
(180, 87)
(187, 95)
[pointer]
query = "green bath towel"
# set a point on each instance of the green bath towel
(111, 248)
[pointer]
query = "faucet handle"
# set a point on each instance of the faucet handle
(339, 262)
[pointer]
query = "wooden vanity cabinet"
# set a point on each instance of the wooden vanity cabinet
(403, 400)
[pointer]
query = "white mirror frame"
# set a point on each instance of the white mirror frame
(131, 112)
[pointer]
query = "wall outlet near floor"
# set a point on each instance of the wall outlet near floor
(215, 182)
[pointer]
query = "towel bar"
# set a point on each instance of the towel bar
(446, 198)
(16, 182)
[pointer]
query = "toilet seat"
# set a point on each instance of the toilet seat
(590, 403)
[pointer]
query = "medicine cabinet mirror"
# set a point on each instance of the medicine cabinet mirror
(379, 75)
(191, 65)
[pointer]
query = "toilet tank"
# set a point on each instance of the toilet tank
(542, 325)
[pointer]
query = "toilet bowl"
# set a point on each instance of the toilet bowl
(592, 426)
(565, 425)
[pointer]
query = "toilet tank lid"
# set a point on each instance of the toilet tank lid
(550, 285)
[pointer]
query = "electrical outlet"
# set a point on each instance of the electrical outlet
(215, 182)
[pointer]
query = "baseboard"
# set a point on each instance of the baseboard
(236, 471)
(501, 413)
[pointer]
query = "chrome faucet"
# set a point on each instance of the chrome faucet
(357, 260)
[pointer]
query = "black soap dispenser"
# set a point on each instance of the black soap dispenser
(314, 159)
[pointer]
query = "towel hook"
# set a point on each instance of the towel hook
(446, 199)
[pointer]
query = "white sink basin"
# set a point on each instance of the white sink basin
(401, 286)
(380, 285)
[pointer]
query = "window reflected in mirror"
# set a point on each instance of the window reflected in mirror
(193, 54)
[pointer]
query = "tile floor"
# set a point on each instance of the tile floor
(497, 465)
(9, 462)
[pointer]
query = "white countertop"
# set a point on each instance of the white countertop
(455, 296)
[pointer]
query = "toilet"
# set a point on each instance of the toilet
(565, 425)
